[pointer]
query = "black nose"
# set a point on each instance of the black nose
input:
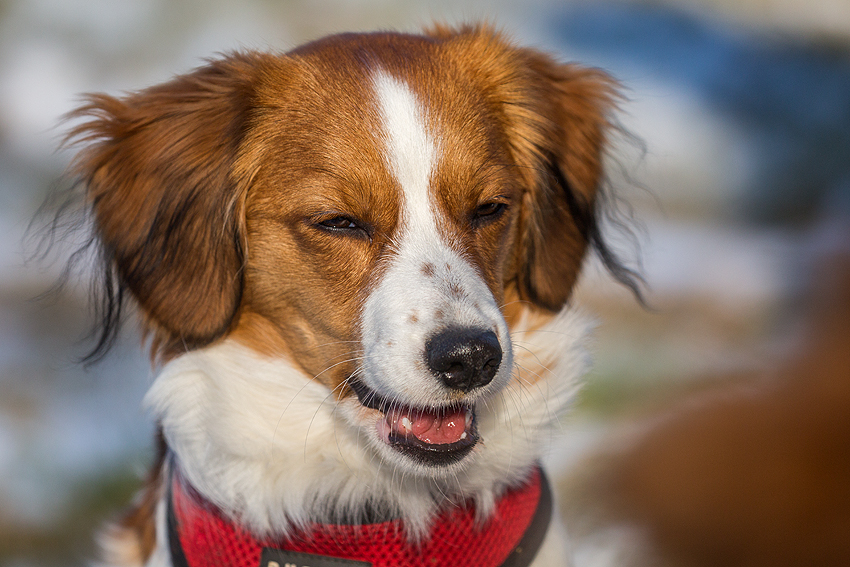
(464, 358)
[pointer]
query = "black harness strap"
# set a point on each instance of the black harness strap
(527, 548)
(178, 558)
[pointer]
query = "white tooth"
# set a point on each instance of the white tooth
(463, 435)
(405, 422)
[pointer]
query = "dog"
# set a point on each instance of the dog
(353, 263)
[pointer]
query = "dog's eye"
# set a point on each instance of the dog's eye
(488, 212)
(344, 226)
(339, 223)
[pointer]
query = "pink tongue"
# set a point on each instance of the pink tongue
(429, 427)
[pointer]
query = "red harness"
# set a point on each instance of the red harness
(200, 536)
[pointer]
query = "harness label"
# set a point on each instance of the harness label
(279, 558)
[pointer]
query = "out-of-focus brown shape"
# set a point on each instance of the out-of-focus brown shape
(759, 476)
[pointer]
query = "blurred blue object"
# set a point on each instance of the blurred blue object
(792, 96)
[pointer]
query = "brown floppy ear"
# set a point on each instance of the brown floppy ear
(167, 208)
(560, 211)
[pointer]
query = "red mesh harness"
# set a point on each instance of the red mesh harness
(201, 536)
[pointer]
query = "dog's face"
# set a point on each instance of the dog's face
(377, 209)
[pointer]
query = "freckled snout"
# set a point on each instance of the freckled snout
(464, 358)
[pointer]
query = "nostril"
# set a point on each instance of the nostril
(464, 358)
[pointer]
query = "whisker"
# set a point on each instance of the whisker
(301, 389)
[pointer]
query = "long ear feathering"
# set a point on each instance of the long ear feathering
(158, 172)
(572, 201)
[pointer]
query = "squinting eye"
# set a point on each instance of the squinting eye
(488, 213)
(342, 225)
(489, 209)
(339, 223)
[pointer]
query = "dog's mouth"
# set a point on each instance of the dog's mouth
(431, 436)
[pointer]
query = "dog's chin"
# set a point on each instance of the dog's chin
(434, 440)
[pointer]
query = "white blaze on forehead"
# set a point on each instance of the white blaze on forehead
(411, 149)
(428, 286)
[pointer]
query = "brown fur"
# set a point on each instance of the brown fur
(159, 171)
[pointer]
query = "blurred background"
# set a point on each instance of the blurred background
(739, 198)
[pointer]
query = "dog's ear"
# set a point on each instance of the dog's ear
(559, 143)
(158, 168)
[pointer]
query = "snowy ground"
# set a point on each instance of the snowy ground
(737, 168)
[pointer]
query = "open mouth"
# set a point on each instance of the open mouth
(431, 436)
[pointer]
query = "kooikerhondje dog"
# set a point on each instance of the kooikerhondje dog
(353, 261)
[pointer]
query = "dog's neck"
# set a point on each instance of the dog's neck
(261, 442)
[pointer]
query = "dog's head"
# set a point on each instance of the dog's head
(379, 209)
